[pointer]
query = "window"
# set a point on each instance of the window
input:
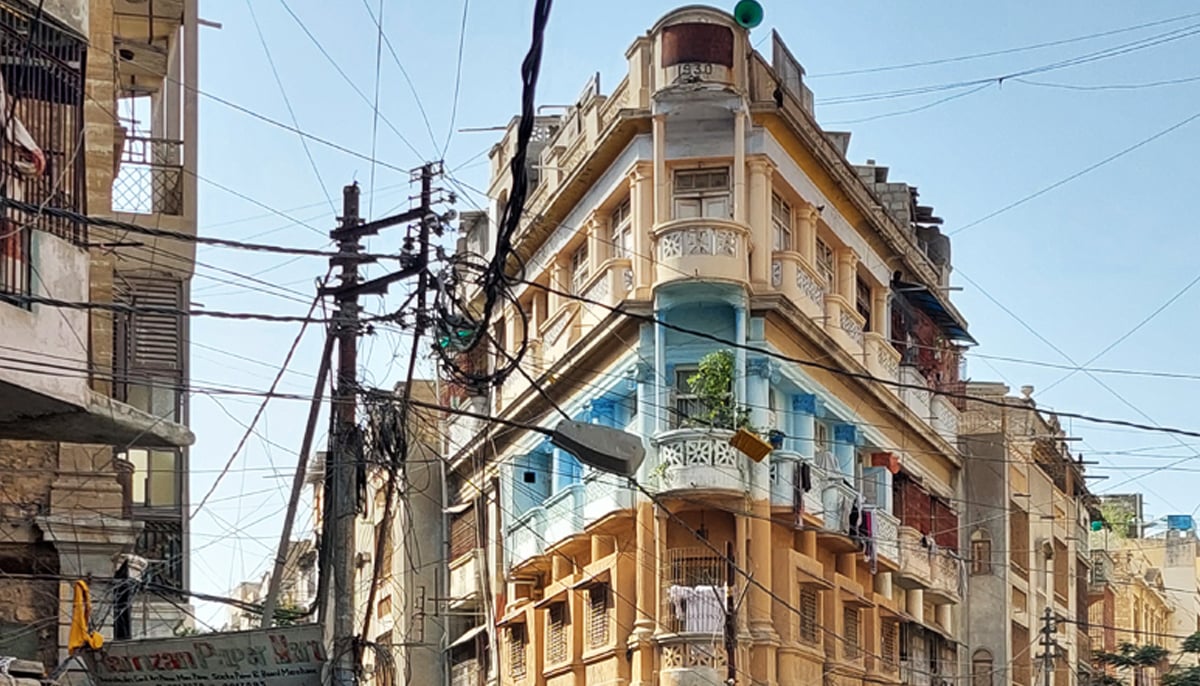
(382, 531)
(981, 553)
(686, 405)
(824, 259)
(157, 477)
(579, 269)
(622, 230)
(810, 613)
(889, 644)
(851, 634)
(556, 634)
(462, 533)
(384, 608)
(862, 300)
(981, 668)
(781, 223)
(702, 193)
(1018, 541)
(597, 627)
(517, 642)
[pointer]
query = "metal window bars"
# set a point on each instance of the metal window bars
(41, 151)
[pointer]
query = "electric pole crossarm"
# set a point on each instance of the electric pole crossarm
(376, 286)
(354, 232)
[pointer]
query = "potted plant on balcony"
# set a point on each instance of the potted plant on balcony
(712, 384)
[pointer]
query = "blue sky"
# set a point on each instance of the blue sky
(1078, 267)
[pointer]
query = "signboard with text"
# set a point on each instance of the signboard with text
(284, 656)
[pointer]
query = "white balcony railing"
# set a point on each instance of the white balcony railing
(699, 459)
(526, 537)
(602, 496)
(564, 514)
(887, 534)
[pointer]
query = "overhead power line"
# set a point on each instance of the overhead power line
(1003, 51)
(171, 311)
(860, 376)
(116, 225)
(1086, 170)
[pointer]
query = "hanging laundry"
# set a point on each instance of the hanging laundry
(699, 609)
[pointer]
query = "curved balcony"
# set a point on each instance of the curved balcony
(700, 460)
(702, 249)
(785, 466)
(691, 659)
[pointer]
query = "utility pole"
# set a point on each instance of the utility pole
(342, 463)
(345, 457)
(1049, 647)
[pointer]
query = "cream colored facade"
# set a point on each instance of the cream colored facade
(92, 420)
(701, 193)
(1030, 514)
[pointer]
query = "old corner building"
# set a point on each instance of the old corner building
(93, 417)
(701, 198)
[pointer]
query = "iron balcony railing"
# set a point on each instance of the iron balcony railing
(151, 177)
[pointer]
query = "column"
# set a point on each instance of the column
(662, 186)
(661, 392)
(803, 427)
(641, 209)
(761, 229)
(557, 282)
(763, 635)
(603, 411)
(640, 639)
(847, 265)
(644, 372)
(740, 214)
(806, 234)
(739, 327)
(598, 242)
(880, 317)
(845, 440)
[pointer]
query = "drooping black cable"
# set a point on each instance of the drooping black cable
(496, 282)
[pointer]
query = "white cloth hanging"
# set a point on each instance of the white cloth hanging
(701, 609)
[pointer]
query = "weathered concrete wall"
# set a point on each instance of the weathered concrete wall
(986, 485)
(50, 335)
(28, 607)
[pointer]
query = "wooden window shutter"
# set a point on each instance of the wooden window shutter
(597, 629)
(154, 340)
(463, 532)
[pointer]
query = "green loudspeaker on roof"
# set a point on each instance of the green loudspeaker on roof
(748, 13)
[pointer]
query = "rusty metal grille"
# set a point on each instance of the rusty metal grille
(810, 612)
(851, 633)
(889, 641)
(151, 177)
(517, 642)
(556, 634)
(161, 542)
(597, 628)
(694, 589)
(14, 258)
(42, 67)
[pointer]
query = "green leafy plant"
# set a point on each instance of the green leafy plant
(1118, 517)
(1129, 657)
(712, 384)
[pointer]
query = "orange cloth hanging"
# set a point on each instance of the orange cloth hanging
(81, 618)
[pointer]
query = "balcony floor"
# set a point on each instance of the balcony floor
(27, 415)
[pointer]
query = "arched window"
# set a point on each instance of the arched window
(981, 668)
(981, 552)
